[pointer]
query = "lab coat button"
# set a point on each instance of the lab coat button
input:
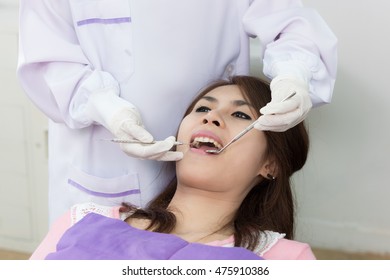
(229, 69)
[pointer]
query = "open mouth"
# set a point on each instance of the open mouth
(205, 143)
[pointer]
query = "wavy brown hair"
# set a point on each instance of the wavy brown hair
(270, 204)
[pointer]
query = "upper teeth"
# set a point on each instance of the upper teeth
(198, 140)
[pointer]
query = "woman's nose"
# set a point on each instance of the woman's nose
(212, 118)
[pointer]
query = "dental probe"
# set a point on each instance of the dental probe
(133, 141)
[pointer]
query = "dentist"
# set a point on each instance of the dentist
(128, 69)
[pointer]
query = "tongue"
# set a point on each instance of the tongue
(207, 147)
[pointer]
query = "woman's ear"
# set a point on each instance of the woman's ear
(269, 169)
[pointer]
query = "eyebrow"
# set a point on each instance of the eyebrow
(236, 103)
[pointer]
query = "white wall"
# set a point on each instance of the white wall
(23, 149)
(344, 190)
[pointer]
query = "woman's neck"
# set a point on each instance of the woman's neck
(202, 216)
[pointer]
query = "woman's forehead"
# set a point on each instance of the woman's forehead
(226, 92)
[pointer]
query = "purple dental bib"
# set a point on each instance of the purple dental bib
(97, 237)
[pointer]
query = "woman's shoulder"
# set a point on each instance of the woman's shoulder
(285, 249)
(267, 240)
(273, 246)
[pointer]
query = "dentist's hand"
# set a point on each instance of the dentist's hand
(280, 116)
(123, 120)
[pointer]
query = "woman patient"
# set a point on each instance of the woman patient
(234, 205)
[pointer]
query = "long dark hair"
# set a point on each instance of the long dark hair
(270, 204)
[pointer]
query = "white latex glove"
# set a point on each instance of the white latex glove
(123, 120)
(280, 116)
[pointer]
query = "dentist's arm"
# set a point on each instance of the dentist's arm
(280, 114)
(98, 102)
(59, 78)
(299, 54)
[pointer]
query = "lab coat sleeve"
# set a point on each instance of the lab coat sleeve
(52, 67)
(290, 32)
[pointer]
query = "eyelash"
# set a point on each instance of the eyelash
(201, 109)
(238, 114)
(242, 115)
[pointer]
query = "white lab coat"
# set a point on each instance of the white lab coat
(161, 53)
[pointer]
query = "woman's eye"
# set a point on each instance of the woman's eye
(241, 115)
(202, 109)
